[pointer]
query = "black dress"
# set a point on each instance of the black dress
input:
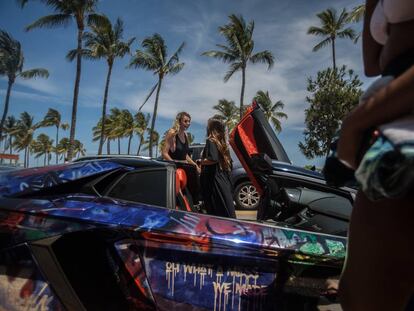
(216, 185)
(181, 149)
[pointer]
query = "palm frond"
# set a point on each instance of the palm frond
(33, 73)
(85, 53)
(98, 20)
(347, 33)
(143, 60)
(233, 68)
(223, 56)
(263, 57)
(51, 21)
(176, 68)
(175, 57)
(357, 14)
(322, 44)
(317, 31)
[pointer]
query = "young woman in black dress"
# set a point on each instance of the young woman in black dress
(215, 172)
(176, 141)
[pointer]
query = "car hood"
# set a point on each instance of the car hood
(253, 136)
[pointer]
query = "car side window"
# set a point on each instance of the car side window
(147, 187)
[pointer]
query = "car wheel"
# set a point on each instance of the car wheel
(246, 196)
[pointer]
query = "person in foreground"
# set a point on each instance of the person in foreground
(379, 268)
(176, 142)
(215, 172)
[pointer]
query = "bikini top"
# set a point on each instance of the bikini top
(389, 12)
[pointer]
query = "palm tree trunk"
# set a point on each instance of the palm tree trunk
(108, 146)
(129, 143)
(108, 78)
(154, 116)
(242, 91)
(6, 105)
(57, 139)
(25, 158)
(140, 143)
(333, 53)
(44, 160)
(119, 145)
(11, 147)
(75, 94)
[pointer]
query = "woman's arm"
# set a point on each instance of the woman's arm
(391, 102)
(208, 162)
(371, 48)
(167, 146)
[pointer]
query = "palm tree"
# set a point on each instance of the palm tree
(11, 65)
(24, 131)
(63, 147)
(154, 58)
(53, 118)
(239, 50)
(43, 146)
(82, 12)
(104, 41)
(96, 132)
(126, 126)
(332, 27)
(190, 138)
(78, 149)
(271, 111)
(227, 112)
(155, 137)
(141, 125)
(113, 127)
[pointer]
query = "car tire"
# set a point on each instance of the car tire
(246, 196)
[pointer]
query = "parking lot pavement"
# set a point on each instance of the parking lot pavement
(246, 215)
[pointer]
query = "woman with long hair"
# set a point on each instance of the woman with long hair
(379, 269)
(216, 166)
(176, 142)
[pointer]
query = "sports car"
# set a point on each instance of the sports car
(123, 234)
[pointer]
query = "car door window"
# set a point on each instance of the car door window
(147, 187)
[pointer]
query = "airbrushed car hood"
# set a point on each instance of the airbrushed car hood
(253, 135)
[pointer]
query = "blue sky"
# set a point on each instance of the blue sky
(280, 26)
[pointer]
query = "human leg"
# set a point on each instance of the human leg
(379, 269)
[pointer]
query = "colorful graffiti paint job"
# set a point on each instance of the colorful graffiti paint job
(163, 259)
(202, 232)
(26, 180)
(22, 286)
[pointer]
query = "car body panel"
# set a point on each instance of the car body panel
(98, 252)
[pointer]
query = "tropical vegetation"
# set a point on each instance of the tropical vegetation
(105, 41)
(239, 51)
(272, 111)
(228, 112)
(11, 66)
(332, 27)
(154, 58)
(333, 94)
(54, 118)
(82, 12)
